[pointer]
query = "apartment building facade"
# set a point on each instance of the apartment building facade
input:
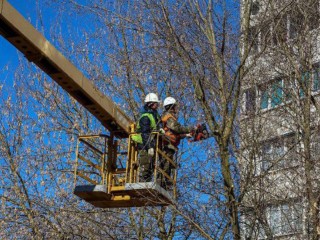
(280, 119)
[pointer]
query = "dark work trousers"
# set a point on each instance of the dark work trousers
(146, 164)
(166, 165)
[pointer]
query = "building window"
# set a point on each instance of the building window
(315, 146)
(266, 156)
(273, 155)
(253, 39)
(313, 17)
(284, 25)
(290, 86)
(285, 218)
(281, 219)
(309, 79)
(266, 36)
(253, 229)
(276, 93)
(301, 16)
(279, 153)
(280, 30)
(264, 97)
(249, 101)
(295, 22)
(255, 7)
(316, 78)
(271, 95)
(281, 90)
(304, 83)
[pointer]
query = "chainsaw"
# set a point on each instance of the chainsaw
(200, 133)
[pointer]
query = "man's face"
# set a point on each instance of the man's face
(154, 106)
(174, 108)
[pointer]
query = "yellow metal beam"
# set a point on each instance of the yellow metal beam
(20, 33)
(166, 175)
(167, 158)
(96, 166)
(121, 198)
(91, 146)
(117, 188)
(87, 178)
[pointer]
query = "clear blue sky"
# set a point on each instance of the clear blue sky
(30, 9)
(8, 54)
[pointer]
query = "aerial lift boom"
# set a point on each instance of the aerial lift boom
(20, 33)
(115, 186)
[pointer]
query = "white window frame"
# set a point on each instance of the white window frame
(284, 213)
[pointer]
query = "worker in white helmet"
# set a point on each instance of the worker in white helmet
(174, 132)
(149, 121)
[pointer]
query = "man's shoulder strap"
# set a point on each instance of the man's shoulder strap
(166, 116)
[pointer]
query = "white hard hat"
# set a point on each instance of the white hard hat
(169, 101)
(151, 97)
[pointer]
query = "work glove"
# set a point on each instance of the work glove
(189, 135)
(151, 152)
(162, 131)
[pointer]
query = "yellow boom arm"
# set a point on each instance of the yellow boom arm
(37, 49)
